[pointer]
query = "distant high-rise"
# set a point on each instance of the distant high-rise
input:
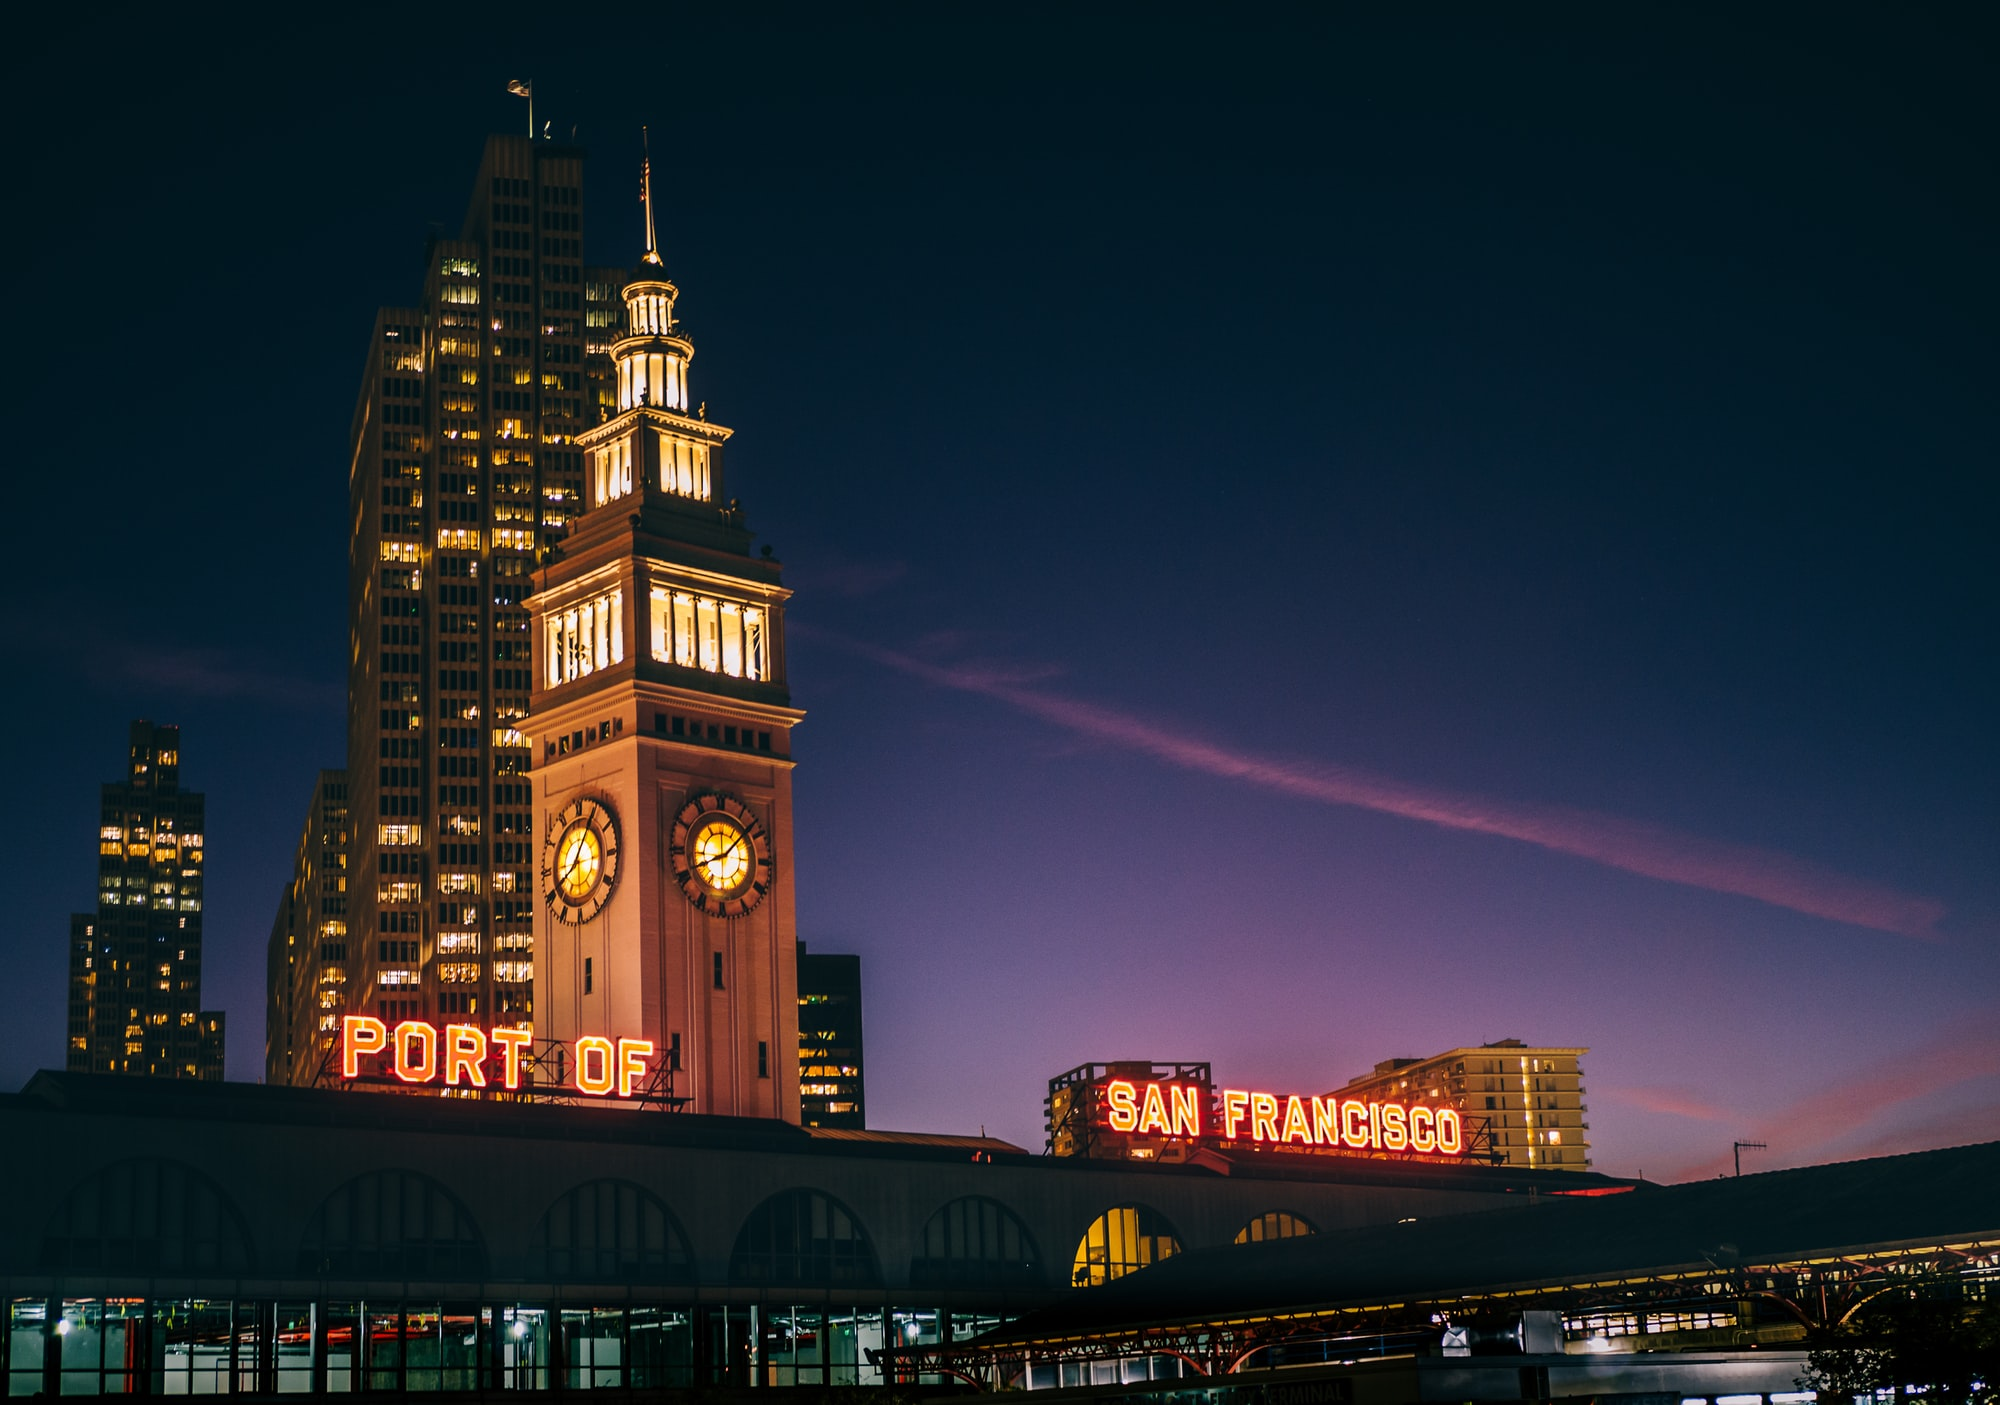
(464, 466)
(830, 1061)
(306, 962)
(135, 966)
(1527, 1099)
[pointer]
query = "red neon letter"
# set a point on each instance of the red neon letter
(464, 1053)
(1187, 1110)
(1296, 1129)
(1123, 1100)
(1326, 1123)
(1263, 1117)
(425, 1036)
(360, 1034)
(632, 1056)
(1232, 1111)
(1395, 1127)
(1450, 1132)
(1354, 1123)
(511, 1042)
(1423, 1129)
(1153, 1115)
(599, 1083)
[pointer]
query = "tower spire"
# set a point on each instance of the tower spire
(652, 255)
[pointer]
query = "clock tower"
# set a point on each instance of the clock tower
(661, 732)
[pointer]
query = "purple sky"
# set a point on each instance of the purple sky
(1312, 543)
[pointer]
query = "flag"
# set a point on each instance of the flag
(521, 88)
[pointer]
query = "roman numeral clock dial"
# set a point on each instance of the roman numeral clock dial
(580, 860)
(721, 854)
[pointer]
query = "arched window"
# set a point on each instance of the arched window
(392, 1224)
(610, 1232)
(1122, 1240)
(1275, 1224)
(147, 1216)
(803, 1237)
(975, 1242)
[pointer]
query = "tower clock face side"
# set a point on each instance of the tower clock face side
(721, 854)
(580, 860)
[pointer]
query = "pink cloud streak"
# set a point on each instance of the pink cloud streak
(1653, 851)
(1795, 1133)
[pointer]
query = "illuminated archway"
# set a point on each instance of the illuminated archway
(1275, 1224)
(1122, 1240)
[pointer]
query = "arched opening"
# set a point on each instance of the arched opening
(610, 1231)
(803, 1238)
(1275, 1224)
(147, 1215)
(392, 1224)
(975, 1241)
(1122, 1240)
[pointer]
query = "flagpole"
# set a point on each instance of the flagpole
(525, 88)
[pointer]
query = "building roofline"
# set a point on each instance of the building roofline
(77, 1094)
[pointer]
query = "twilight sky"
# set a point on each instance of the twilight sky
(1314, 541)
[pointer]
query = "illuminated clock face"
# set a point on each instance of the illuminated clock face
(721, 855)
(580, 860)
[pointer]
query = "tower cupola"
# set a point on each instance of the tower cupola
(652, 356)
(653, 444)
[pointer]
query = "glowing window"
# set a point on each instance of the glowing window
(586, 637)
(1122, 1240)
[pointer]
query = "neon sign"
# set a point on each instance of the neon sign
(418, 1052)
(1332, 1123)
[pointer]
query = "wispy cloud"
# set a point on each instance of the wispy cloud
(1633, 846)
(1675, 1102)
(1835, 1115)
(1978, 1124)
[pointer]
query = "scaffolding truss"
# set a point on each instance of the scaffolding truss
(1817, 1293)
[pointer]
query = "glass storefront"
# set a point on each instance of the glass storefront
(124, 1346)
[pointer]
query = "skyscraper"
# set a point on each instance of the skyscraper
(830, 1057)
(306, 962)
(135, 966)
(463, 466)
(662, 747)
